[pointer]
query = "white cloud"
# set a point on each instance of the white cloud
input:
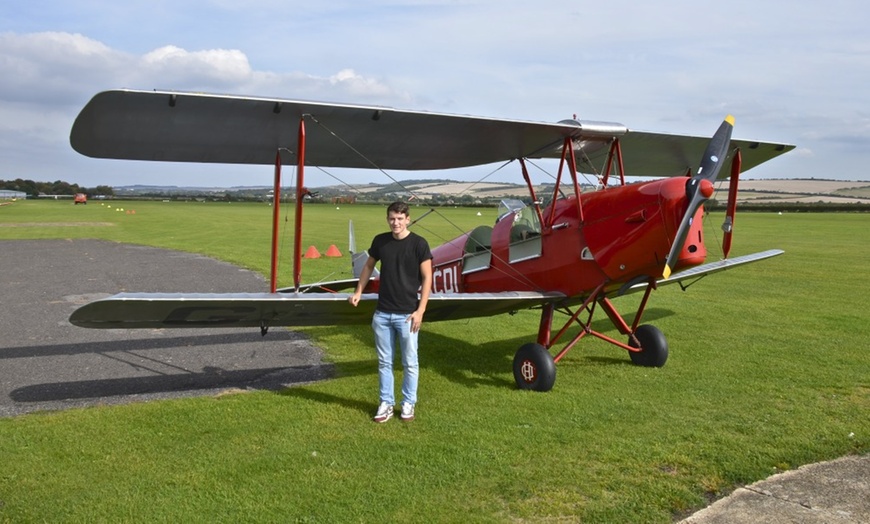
(48, 77)
(53, 68)
(348, 81)
(216, 67)
(60, 68)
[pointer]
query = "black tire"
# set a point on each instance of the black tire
(653, 347)
(534, 368)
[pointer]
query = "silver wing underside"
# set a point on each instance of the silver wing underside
(176, 310)
(195, 127)
(708, 269)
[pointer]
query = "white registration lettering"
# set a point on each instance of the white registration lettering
(444, 280)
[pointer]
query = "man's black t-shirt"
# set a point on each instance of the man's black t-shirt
(400, 270)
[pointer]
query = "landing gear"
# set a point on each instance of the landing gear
(534, 368)
(653, 347)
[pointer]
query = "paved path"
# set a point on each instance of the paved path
(826, 493)
(46, 363)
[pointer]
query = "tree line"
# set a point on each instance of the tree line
(58, 187)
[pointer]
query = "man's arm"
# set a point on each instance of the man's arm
(416, 318)
(364, 277)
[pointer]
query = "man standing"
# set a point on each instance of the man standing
(406, 267)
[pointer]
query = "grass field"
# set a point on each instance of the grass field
(769, 370)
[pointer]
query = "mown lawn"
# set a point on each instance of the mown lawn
(768, 371)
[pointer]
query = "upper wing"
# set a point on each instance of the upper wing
(195, 127)
(170, 310)
(665, 155)
(188, 127)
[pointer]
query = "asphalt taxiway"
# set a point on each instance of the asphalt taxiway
(46, 363)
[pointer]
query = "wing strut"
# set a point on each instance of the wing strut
(528, 180)
(300, 194)
(276, 198)
(570, 160)
(728, 226)
(615, 154)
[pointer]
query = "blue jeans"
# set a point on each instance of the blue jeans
(390, 328)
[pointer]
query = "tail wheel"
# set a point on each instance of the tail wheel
(534, 368)
(653, 347)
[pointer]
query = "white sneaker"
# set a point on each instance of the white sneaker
(407, 411)
(385, 413)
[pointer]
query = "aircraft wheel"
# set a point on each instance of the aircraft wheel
(654, 347)
(534, 368)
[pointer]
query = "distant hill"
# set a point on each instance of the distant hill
(751, 191)
(800, 191)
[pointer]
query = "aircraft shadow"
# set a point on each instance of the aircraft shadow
(210, 378)
(140, 344)
(174, 369)
(463, 363)
(651, 314)
(491, 364)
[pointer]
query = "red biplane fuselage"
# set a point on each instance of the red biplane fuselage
(556, 250)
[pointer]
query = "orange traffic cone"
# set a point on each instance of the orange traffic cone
(312, 253)
(333, 251)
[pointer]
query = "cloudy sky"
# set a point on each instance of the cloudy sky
(794, 72)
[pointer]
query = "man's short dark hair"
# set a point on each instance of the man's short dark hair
(400, 208)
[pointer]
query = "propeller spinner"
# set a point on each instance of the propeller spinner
(699, 188)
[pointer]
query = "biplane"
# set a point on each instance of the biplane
(568, 252)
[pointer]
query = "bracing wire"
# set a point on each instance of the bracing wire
(514, 273)
(494, 171)
(361, 155)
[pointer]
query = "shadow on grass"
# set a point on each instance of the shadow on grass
(490, 364)
(650, 315)
(467, 364)
(463, 363)
(67, 349)
(327, 398)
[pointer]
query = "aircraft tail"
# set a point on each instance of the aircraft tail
(357, 259)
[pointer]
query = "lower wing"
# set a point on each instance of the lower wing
(704, 269)
(175, 310)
